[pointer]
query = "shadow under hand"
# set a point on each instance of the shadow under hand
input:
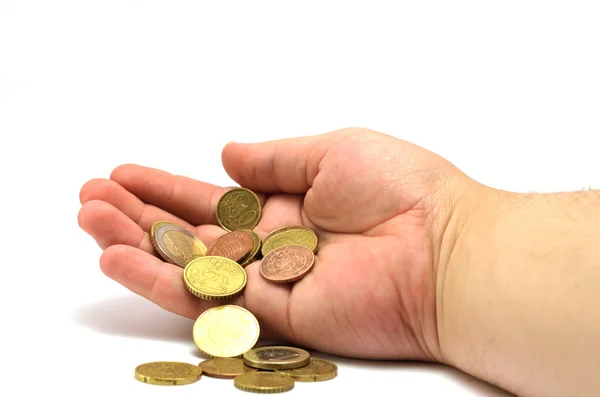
(135, 317)
(475, 385)
(480, 387)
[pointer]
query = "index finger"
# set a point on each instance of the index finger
(189, 199)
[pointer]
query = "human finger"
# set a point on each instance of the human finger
(145, 215)
(189, 199)
(109, 226)
(164, 285)
(280, 166)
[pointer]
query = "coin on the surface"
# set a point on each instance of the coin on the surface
(235, 245)
(225, 368)
(264, 382)
(168, 373)
(238, 208)
(226, 331)
(175, 244)
(214, 277)
(290, 235)
(276, 357)
(288, 263)
(256, 244)
(316, 371)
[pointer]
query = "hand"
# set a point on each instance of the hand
(379, 206)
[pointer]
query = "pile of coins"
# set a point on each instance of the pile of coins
(229, 333)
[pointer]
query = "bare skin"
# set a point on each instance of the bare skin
(416, 260)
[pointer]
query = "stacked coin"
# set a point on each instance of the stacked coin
(228, 333)
(267, 369)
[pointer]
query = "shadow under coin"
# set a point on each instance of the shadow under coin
(135, 317)
(198, 353)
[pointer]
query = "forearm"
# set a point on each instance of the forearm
(521, 294)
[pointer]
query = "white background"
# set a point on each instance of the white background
(509, 91)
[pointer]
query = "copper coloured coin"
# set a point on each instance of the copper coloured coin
(234, 245)
(288, 263)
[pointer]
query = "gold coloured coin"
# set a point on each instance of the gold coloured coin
(175, 244)
(256, 244)
(290, 235)
(168, 373)
(264, 382)
(238, 208)
(316, 371)
(226, 331)
(225, 368)
(281, 229)
(276, 357)
(214, 277)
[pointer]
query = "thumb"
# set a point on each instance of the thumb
(279, 166)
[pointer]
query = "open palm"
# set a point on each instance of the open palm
(374, 202)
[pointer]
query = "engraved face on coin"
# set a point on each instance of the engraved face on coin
(226, 331)
(225, 368)
(238, 208)
(290, 235)
(264, 382)
(276, 357)
(286, 264)
(235, 245)
(175, 244)
(316, 371)
(168, 373)
(214, 277)
(277, 354)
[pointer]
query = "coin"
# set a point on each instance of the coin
(168, 373)
(316, 371)
(214, 277)
(238, 208)
(225, 368)
(226, 331)
(235, 245)
(276, 357)
(288, 263)
(290, 235)
(256, 244)
(157, 224)
(175, 244)
(264, 382)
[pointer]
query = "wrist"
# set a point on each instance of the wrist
(465, 248)
(456, 204)
(517, 293)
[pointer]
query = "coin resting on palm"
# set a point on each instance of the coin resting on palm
(239, 208)
(214, 277)
(290, 235)
(287, 263)
(236, 245)
(254, 253)
(175, 244)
